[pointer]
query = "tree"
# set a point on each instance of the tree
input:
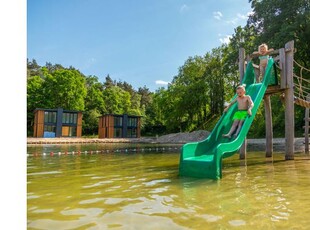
(91, 121)
(35, 99)
(33, 69)
(117, 100)
(94, 97)
(146, 96)
(65, 89)
(135, 98)
(214, 78)
(52, 68)
(94, 105)
(109, 82)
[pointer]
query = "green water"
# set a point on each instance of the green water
(142, 190)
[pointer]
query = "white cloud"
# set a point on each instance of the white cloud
(250, 13)
(242, 16)
(161, 82)
(233, 21)
(88, 63)
(217, 15)
(184, 8)
(239, 17)
(225, 39)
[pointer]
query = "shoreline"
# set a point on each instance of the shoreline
(85, 140)
(252, 144)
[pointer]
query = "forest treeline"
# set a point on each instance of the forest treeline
(196, 95)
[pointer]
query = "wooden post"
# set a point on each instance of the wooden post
(289, 102)
(283, 83)
(241, 71)
(268, 122)
(307, 127)
(241, 63)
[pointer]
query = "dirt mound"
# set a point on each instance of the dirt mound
(184, 137)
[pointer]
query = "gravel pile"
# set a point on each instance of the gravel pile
(184, 137)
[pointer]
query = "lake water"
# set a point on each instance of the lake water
(125, 186)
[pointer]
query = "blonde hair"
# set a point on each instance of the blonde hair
(241, 87)
(263, 45)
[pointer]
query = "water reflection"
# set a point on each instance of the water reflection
(143, 191)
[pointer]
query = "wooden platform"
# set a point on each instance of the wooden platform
(273, 89)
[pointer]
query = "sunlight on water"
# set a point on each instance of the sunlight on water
(143, 191)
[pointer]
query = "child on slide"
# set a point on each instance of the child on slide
(245, 105)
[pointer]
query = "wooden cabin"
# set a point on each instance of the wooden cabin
(57, 123)
(119, 126)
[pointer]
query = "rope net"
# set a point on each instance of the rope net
(302, 85)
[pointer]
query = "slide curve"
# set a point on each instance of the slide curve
(203, 159)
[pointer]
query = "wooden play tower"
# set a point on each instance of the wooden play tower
(284, 58)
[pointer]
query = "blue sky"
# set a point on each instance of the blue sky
(142, 42)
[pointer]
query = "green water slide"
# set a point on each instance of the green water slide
(203, 159)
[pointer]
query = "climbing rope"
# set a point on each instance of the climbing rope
(301, 87)
(301, 67)
(302, 102)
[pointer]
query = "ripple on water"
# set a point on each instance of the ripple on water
(43, 210)
(43, 173)
(32, 197)
(115, 200)
(279, 217)
(159, 190)
(84, 220)
(154, 182)
(91, 201)
(83, 211)
(237, 222)
(97, 184)
(211, 218)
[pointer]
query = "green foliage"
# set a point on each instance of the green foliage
(195, 94)
(258, 126)
(65, 89)
(33, 69)
(90, 122)
(94, 98)
(94, 105)
(188, 88)
(117, 100)
(35, 99)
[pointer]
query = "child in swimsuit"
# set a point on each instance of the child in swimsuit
(245, 105)
(263, 58)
